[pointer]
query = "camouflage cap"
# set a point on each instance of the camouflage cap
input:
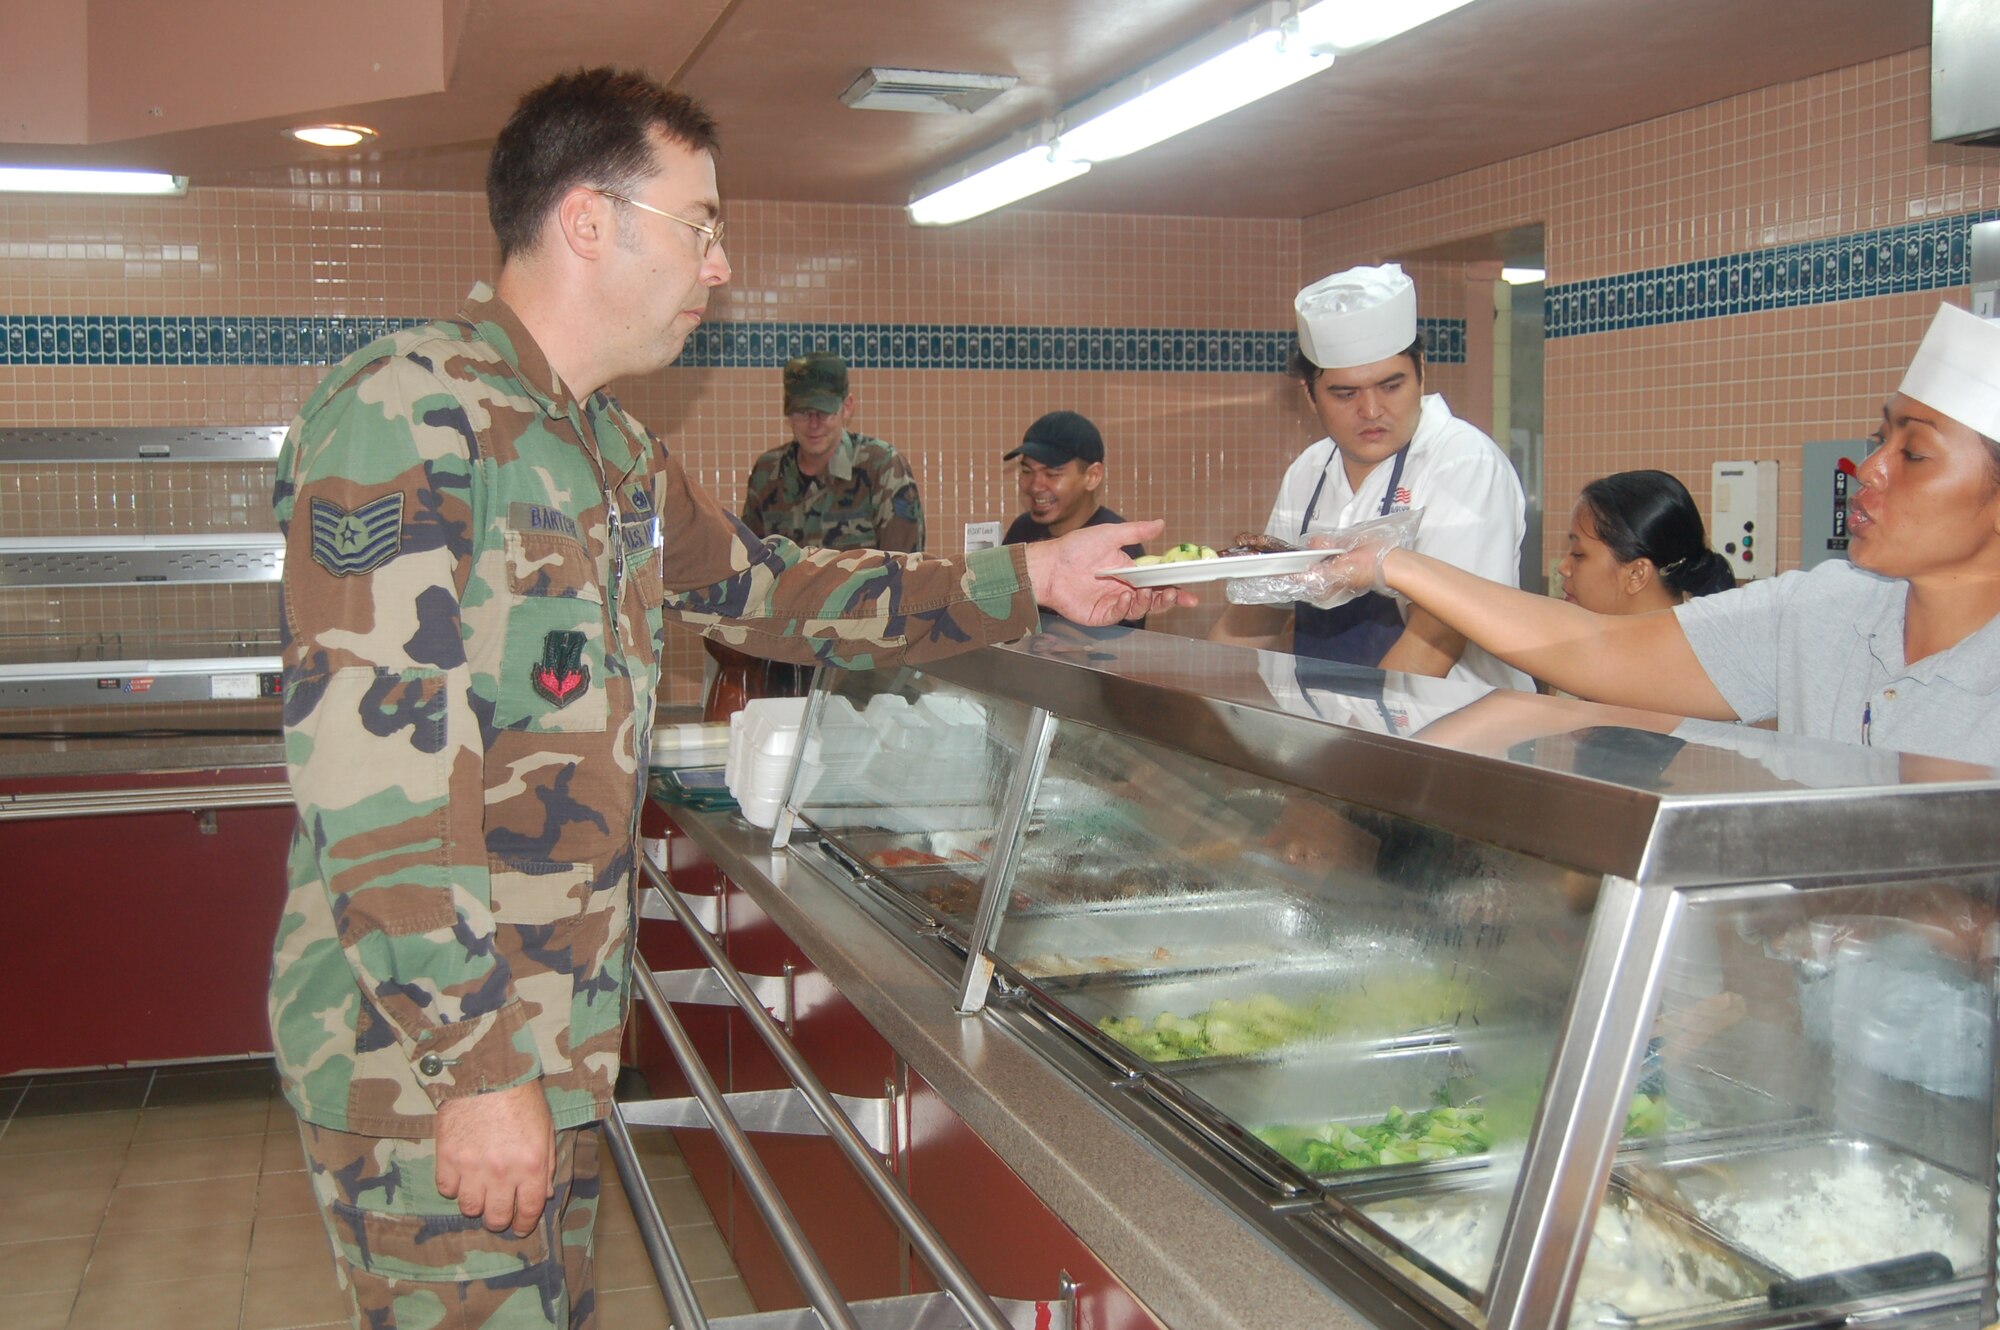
(815, 381)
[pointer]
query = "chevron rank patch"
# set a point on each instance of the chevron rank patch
(560, 675)
(348, 544)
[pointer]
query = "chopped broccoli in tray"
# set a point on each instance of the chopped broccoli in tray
(1229, 1028)
(1399, 1138)
(1410, 1138)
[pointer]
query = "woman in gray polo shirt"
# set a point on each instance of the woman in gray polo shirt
(1899, 648)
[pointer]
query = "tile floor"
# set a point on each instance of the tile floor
(176, 1199)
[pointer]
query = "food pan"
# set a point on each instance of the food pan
(1203, 933)
(1644, 1261)
(1284, 1100)
(1808, 1207)
(1353, 990)
(881, 850)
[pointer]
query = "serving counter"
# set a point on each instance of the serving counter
(1302, 996)
(142, 852)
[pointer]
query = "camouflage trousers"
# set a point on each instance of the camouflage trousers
(410, 1261)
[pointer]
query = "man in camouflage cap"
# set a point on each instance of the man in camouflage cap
(481, 553)
(830, 486)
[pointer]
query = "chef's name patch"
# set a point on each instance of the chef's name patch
(537, 517)
(348, 542)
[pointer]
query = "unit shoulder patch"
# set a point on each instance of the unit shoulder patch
(561, 675)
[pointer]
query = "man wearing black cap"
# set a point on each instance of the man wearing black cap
(1062, 473)
(829, 486)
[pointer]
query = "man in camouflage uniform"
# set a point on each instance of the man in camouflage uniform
(481, 552)
(830, 486)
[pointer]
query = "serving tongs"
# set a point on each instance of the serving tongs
(1895, 1275)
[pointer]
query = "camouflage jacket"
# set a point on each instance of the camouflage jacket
(478, 570)
(866, 499)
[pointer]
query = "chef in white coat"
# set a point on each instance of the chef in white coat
(1389, 447)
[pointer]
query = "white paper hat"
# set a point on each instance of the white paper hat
(1357, 317)
(1957, 370)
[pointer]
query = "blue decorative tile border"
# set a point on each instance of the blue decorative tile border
(989, 346)
(121, 339)
(1917, 256)
(106, 339)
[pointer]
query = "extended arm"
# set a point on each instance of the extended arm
(1634, 660)
(863, 608)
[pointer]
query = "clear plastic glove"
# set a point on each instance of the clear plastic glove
(1353, 566)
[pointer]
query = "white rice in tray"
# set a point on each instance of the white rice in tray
(1836, 1218)
(1637, 1266)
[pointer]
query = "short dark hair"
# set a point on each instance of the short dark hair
(592, 127)
(1650, 515)
(1308, 373)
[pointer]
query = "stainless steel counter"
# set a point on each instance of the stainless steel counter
(1190, 1259)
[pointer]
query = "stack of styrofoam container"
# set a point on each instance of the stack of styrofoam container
(763, 737)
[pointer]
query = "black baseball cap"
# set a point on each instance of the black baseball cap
(1059, 438)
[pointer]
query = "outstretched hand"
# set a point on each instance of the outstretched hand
(1063, 573)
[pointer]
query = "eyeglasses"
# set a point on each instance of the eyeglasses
(711, 236)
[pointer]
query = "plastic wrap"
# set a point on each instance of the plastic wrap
(1337, 580)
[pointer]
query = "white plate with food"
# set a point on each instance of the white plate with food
(1181, 572)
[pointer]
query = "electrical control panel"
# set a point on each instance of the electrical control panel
(1743, 517)
(1829, 480)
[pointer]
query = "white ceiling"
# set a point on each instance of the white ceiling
(1492, 81)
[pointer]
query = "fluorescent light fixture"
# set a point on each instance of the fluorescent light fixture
(1353, 25)
(1523, 276)
(995, 186)
(1250, 57)
(1268, 62)
(331, 136)
(78, 180)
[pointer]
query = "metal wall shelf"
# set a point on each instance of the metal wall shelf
(195, 443)
(64, 561)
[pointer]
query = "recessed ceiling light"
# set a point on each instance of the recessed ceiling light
(331, 136)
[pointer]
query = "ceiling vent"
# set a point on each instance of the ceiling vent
(925, 91)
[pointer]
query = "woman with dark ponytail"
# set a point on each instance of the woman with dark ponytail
(1637, 544)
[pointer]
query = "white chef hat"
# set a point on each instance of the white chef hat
(1357, 317)
(1957, 370)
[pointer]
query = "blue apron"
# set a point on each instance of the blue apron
(1361, 631)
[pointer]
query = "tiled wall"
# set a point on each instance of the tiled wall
(1839, 162)
(1834, 169)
